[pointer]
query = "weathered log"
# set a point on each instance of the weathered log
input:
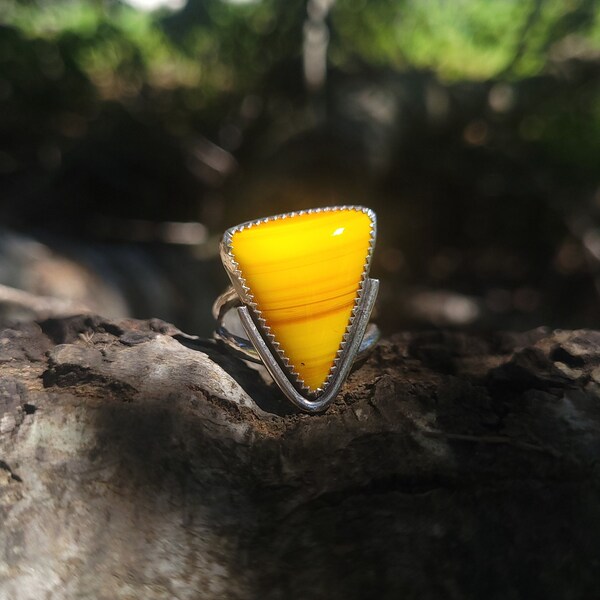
(138, 462)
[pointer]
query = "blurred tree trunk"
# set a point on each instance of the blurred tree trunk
(137, 462)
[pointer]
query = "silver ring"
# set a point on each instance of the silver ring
(301, 299)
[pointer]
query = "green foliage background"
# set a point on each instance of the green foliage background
(224, 45)
(197, 58)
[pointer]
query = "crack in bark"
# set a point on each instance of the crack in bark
(4, 466)
(74, 375)
(492, 439)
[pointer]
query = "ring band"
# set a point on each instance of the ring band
(301, 291)
(231, 332)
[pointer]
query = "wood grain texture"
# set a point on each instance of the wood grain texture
(137, 462)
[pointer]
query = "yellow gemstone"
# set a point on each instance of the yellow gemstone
(304, 272)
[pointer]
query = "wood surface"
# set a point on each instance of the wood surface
(140, 462)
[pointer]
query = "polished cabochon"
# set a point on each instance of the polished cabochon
(302, 275)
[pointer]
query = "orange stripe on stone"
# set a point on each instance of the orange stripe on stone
(304, 272)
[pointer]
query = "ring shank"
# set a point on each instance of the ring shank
(231, 332)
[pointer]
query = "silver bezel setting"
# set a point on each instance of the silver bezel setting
(265, 343)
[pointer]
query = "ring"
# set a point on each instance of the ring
(230, 331)
(301, 298)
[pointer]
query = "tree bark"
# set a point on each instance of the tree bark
(139, 462)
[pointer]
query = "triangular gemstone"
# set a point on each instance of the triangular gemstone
(304, 272)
